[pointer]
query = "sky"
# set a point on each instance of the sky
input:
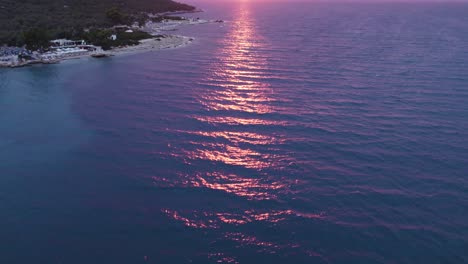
(410, 1)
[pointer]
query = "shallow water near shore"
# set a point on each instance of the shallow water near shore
(293, 133)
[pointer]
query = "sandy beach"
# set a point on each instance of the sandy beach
(154, 44)
(160, 41)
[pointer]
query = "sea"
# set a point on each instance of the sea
(291, 133)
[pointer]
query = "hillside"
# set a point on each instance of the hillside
(60, 17)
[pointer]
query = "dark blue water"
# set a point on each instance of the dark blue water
(294, 133)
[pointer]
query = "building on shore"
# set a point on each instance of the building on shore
(59, 49)
(67, 43)
(13, 56)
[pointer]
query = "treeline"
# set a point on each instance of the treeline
(25, 21)
(102, 37)
(38, 39)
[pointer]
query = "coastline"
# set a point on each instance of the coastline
(159, 42)
(153, 44)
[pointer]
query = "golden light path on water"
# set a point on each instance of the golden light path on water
(236, 89)
(236, 100)
(239, 72)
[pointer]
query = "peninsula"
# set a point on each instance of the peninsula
(47, 31)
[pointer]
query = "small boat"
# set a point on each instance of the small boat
(101, 55)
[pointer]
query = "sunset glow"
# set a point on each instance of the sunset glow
(233, 131)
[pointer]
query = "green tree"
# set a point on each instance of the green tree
(36, 39)
(116, 16)
(99, 37)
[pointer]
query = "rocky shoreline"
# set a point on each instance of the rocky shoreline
(159, 41)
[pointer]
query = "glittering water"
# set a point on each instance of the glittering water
(293, 133)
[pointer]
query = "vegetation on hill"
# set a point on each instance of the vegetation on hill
(102, 37)
(30, 22)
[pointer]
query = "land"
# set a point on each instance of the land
(112, 28)
(151, 36)
(40, 20)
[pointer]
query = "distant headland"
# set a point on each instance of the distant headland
(46, 31)
(68, 18)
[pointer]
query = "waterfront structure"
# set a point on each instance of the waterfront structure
(67, 43)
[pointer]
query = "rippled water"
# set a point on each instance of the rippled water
(293, 133)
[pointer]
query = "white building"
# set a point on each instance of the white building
(67, 42)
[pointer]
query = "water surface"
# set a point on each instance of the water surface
(293, 133)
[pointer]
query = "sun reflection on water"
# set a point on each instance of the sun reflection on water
(232, 150)
(252, 188)
(236, 95)
(241, 137)
(237, 78)
(202, 219)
